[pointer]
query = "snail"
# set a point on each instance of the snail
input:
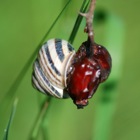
(61, 72)
(49, 76)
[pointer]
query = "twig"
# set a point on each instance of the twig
(89, 20)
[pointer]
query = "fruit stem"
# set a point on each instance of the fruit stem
(89, 21)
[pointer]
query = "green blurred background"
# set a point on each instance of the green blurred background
(114, 111)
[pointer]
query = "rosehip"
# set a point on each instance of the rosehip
(91, 66)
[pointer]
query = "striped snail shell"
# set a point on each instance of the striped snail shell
(50, 68)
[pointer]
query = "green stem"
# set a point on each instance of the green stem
(78, 21)
(39, 119)
(6, 131)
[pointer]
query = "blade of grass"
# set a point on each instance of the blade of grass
(78, 21)
(6, 131)
(25, 68)
(40, 117)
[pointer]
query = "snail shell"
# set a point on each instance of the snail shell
(50, 68)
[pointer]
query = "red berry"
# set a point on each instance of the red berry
(90, 67)
(83, 81)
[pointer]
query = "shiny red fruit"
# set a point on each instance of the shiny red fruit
(83, 81)
(90, 67)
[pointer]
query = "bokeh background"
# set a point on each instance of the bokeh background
(114, 111)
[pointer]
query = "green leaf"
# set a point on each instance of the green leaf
(6, 131)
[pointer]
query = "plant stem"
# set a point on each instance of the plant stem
(6, 131)
(78, 21)
(39, 119)
(89, 21)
